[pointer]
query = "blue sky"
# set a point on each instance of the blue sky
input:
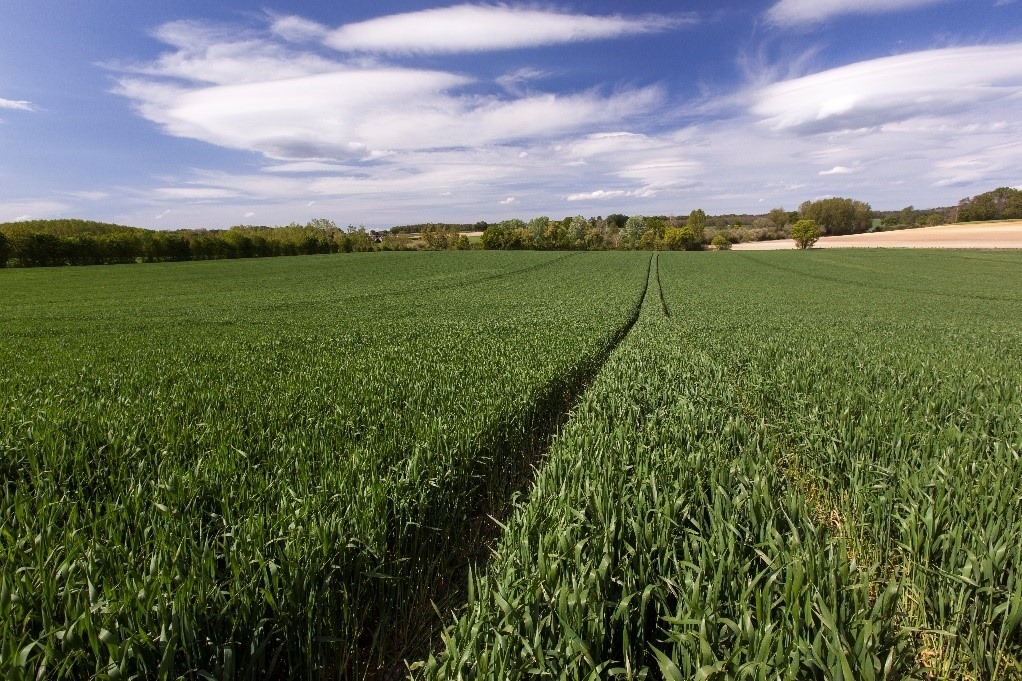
(188, 113)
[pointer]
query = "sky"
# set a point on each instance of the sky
(199, 114)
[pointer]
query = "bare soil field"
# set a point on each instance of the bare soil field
(966, 235)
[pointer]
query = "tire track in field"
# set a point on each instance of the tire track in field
(420, 288)
(660, 289)
(469, 282)
(524, 455)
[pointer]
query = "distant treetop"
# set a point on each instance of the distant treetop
(65, 227)
(1003, 203)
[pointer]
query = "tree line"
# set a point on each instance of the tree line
(46, 243)
(614, 232)
(695, 231)
(1003, 203)
(830, 216)
(50, 243)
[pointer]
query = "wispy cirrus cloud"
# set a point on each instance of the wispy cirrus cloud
(605, 195)
(799, 12)
(598, 195)
(30, 209)
(17, 104)
(257, 95)
(838, 170)
(920, 122)
(516, 82)
(479, 28)
(892, 89)
(217, 56)
(90, 195)
(195, 193)
(298, 29)
(361, 114)
(305, 167)
(380, 139)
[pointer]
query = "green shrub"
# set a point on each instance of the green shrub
(805, 233)
(721, 243)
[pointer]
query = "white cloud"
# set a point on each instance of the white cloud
(598, 195)
(416, 176)
(794, 12)
(407, 136)
(306, 117)
(300, 111)
(981, 167)
(891, 89)
(30, 209)
(298, 29)
(194, 193)
(90, 195)
(20, 105)
(249, 214)
(205, 54)
(660, 173)
(372, 143)
(304, 167)
(478, 28)
(515, 82)
(721, 166)
(460, 122)
(611, 142)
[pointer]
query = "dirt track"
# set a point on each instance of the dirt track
(969, 235)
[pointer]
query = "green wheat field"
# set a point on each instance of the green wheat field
(504, 465)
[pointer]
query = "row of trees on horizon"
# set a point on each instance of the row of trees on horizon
(46, 243)
(697, 231)
(49, 243)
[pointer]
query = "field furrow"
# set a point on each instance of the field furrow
(660, 541)
(247, 469)
(797, 465)
(784, 479)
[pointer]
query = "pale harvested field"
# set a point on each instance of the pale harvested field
(970, 235)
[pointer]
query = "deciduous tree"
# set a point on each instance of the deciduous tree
(537, 231)
(680, 239)
(805, 233)
(577, 228)
(634, 228)
(838, 215)
(907, 216)
(778, 218)
(697, 223)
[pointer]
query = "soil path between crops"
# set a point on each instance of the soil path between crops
(973, 235)
(483, 531)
